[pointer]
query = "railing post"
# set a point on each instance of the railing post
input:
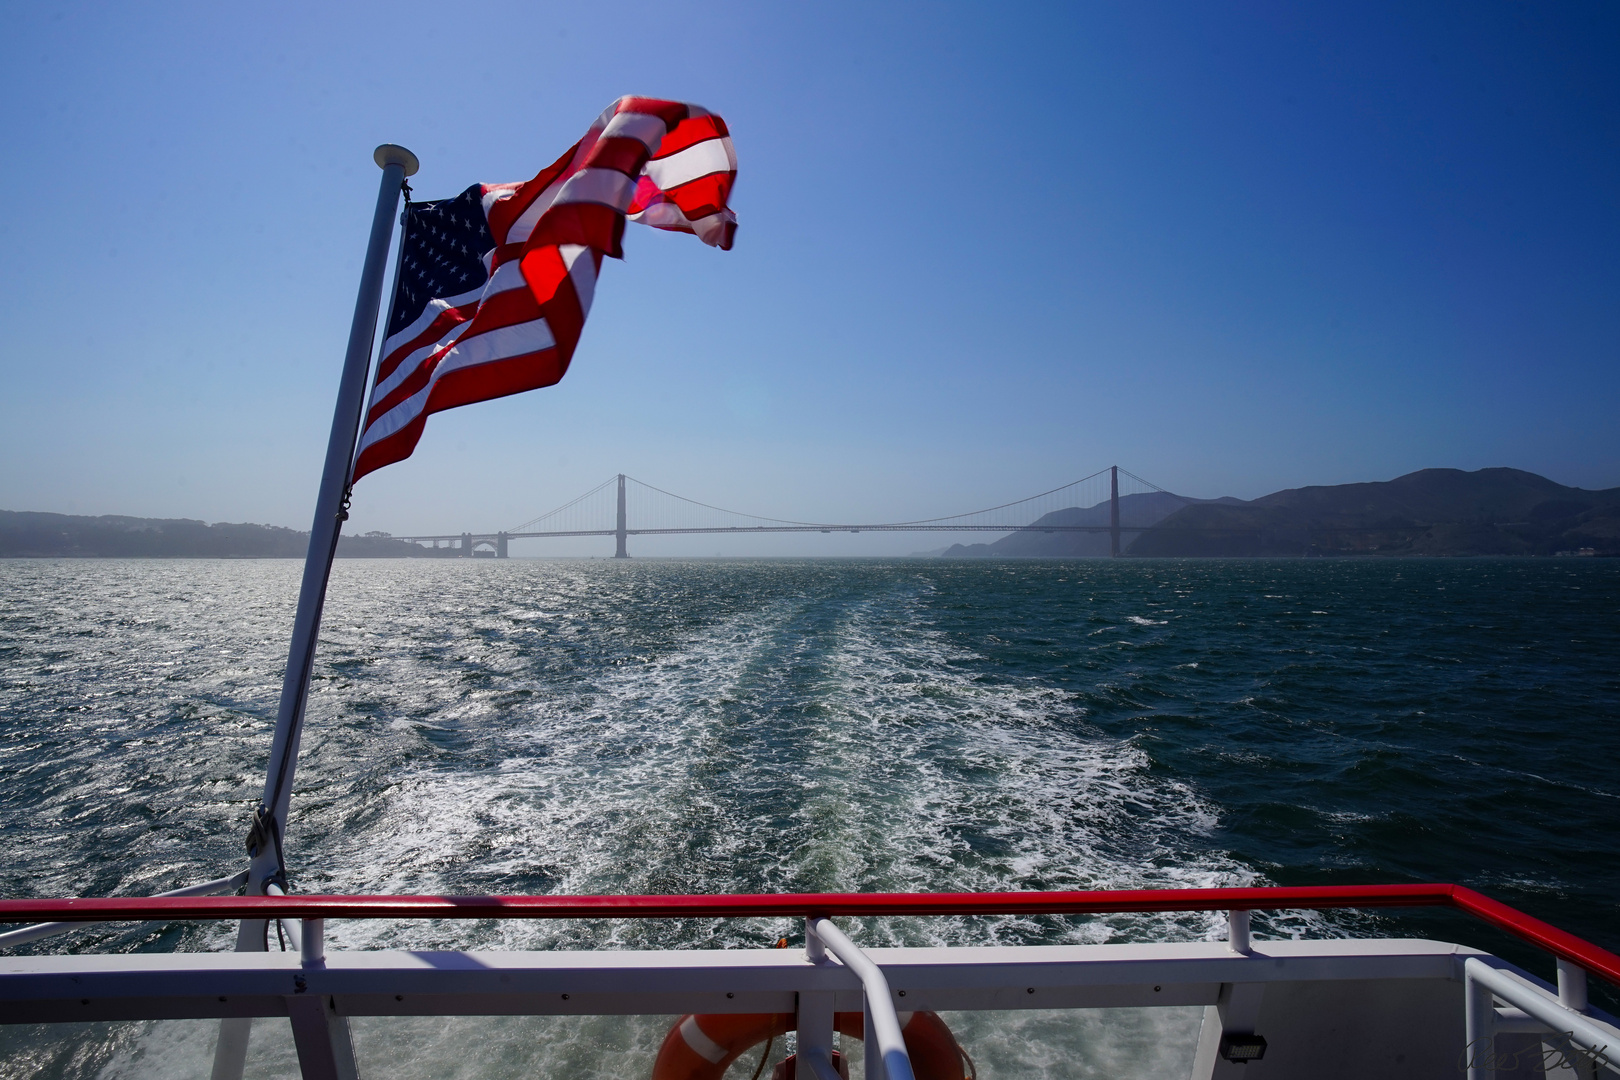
(873, 1058)
(312, 943)
(814, 950)
(1479, 1029)
(1237, 932)
(815, 1039)
(1572, 985)
(886, 1057)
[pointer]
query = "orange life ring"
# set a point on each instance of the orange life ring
(701, 1047)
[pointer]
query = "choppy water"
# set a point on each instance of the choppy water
(682, 726)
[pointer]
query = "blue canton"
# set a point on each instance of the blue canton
(445, 242)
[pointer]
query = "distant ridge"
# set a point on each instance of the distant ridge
(1429, 512)
(1136, 512)
(34, 535)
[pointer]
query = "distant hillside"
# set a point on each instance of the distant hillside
(31, 535)
(1136, 512)
(1431, 512)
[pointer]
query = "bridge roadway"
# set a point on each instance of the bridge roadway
(491, 538)
(499, 540)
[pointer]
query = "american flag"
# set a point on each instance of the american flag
(494, 284)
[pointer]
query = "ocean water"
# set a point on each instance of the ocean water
(581, 726)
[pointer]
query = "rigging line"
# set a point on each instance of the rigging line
(564, 506)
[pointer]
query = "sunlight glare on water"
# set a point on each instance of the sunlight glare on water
(819, 725)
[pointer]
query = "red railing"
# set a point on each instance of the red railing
(1560, 943)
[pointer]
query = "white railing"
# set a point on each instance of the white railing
(1583, 1043)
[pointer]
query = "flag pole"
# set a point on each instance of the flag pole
(267, 870)
(331, 508)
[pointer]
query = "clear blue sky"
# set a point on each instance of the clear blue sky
(983, 250)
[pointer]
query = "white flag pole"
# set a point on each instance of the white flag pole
(267, 869)
(397, 163)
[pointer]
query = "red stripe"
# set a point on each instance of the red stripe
(551, 284)
(447, 320)
(704, 196)
(691, 132)
(504, 309)
(670, 112)
(620, 152)
(591, 224)
(386, 451)
(564, 317)
(498, 378)
(645, 195)
(506, 211)
(410, 385)
(505, 254)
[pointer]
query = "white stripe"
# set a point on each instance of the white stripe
(494, 193)
(583, 271)
(414, 361)
(394, 419)
(507, 276)
(662, 215)
(699, 159)
(607, 186)
(524, 225)
(500, 344)
(631, 125)
(425, 320)
(712, 229)
(700, 1043)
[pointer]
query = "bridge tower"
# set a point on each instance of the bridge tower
(619, 530)
(501, 540)
(466, 545)
(1113, 511)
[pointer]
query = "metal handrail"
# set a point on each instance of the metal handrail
(1482, 981)
(51, 929)
(1560, 943)
(886, 1046)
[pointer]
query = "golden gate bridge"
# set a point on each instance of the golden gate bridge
(622, 507)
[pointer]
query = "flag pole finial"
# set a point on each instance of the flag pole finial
(392, 154)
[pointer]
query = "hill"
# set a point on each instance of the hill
(34, 535)
(1430, 512)
(1136, 512)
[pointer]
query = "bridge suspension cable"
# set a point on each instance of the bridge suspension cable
(624, 506)
(652, 509)
(578, 515)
